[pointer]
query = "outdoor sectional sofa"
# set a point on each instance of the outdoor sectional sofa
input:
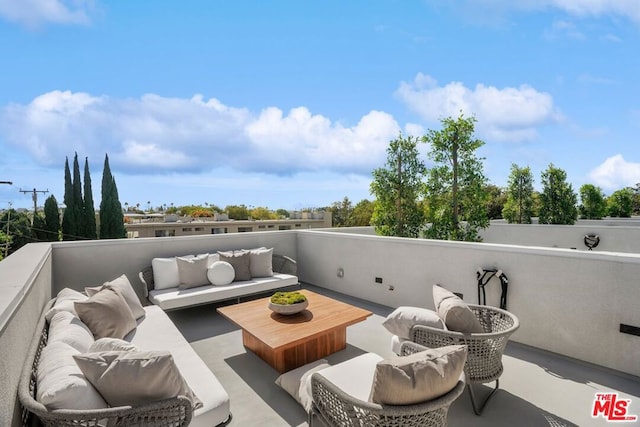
(59, 392)
(164, 281)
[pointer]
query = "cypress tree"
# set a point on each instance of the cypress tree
(69, 223)
(51, 219)
(78, 203)
(89, 210)
(111, 218)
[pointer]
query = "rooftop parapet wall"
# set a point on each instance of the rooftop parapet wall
(80, 264)
(619, 235)
(568, 302)
(25, 287)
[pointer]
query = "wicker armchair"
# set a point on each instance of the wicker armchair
(484, 359)
(337, 408)
(174, 412)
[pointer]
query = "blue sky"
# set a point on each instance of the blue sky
(292, 104)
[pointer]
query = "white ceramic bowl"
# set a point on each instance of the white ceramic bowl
(288, 309)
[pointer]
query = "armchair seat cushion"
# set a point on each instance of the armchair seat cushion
(354, 376)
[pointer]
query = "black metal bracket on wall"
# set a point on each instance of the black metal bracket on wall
(628, 329)
(484, 275)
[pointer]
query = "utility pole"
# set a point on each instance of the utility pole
(6, 182)
(35, 197)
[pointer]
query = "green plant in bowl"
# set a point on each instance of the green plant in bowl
(287, 298)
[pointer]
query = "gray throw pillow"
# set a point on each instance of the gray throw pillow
(135, 377)
(124, 286)
(419, 377)
(402, 319)
(260, 263)
(240, 261)
(107, 314)
(193, 271)
(455, 313)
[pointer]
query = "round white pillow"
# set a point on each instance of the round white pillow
(221, 273)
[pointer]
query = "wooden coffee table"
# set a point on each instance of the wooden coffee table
(286, 342)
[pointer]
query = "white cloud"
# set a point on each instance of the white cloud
(616, 173)
(566, 29)
(588, 79)
(493, 10)
(157, 134)
(625, 8)
(507, 114)
(282, 142)
(35, 13)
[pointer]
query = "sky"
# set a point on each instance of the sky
(292, 103)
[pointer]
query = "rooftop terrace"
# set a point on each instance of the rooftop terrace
(570, 304)
(538, 388)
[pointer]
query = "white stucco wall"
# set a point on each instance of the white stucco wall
(569, 302)
(615, 235)
(80, 264)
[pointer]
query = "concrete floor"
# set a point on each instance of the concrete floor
(537, 388)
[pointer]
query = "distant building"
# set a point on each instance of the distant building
(140, 225)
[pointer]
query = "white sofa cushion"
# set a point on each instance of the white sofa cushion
(165, 273)
(402, 319)
(68, 328)
(221, 273)
(111, 344)
(297, 382)
(169, 299)
(64, 302)
(156, 331)
(354, 376)
(135, 377)
(60, 382)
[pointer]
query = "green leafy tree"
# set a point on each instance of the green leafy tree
(38, 232)
(340, 212)
(456, 185)
(594, 205)
(238, 212)
(51, 219)
(5, 242)
(397, 188)
(262, 213)
(518, 208)
(495, 202)
(636, 199)
(283, 213)
(620, 203)
(361, 214)
(17, 225)
(558, 200)
(88, 210)
(69, 221)
(111, 217)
